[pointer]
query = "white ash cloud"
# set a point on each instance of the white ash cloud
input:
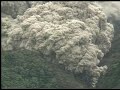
(111, 9)
(13, 8)
(77, 32)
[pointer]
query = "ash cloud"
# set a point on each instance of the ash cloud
(77, 32)
(111, 9)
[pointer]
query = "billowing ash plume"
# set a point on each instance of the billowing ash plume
(76, 32)
(17, 7)
(13, 8)
(111, 9)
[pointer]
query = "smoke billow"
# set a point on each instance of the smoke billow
(77, 32)
(111, 9)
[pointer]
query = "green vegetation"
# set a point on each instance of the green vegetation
(112, 77)
(26, 69)
(112, 60)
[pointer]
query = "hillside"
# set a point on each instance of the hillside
(60, 45)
